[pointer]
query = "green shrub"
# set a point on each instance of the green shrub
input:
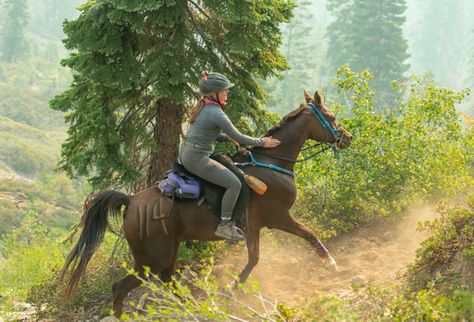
(326, 308)
(451, 235)
(92, 297)
(198, 296)
(31, 252)
(425, 305)
(397, 156)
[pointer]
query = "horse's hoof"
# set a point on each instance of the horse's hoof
(330, 264)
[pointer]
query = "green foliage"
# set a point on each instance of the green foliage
(436, 286)
(27, 150)
(452, 235)
(302, 39)
(195, 250)
(425, 305)
(200, 297)
(54, 198)
(13, 44)
(367, 35)
(10, 216)
(26, 88)
(325, 308)
(30, 133)
(137, 62)
(396, 156)
(430, 305)
(93, 295)
(444, 58)
(31, 251)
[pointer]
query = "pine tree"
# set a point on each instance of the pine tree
(439, 39)
(367, 34)
(303, 47)
(136, 67)
(13, 44)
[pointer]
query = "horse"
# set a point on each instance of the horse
(154, 238)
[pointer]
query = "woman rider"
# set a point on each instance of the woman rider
(207, 120)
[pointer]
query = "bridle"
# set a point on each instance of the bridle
(328, 128)
(336, 132)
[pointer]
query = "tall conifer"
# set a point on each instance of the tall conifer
(137, 63)
(13, 44)
(367, 34)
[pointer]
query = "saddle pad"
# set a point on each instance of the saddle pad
(214, 193)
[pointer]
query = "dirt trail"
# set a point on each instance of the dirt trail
(372, 254)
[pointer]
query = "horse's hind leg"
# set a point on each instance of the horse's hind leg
(253, 240)
(120, 290)
(165, 274)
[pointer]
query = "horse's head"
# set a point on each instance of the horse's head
(324, 126)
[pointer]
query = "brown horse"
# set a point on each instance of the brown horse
(154, 231)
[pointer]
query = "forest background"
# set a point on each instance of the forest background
(362, 55)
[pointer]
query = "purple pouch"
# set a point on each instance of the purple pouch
(183, 188)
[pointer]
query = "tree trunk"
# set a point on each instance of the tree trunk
(167, 131)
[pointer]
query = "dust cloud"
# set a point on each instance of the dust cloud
(290, 271)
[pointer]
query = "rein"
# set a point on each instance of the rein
(323, 149)
(336, 132)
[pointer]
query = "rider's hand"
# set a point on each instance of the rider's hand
(270, 142)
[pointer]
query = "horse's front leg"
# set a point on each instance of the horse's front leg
(253, 241)
(295, 228)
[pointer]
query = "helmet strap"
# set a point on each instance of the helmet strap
(217, 99)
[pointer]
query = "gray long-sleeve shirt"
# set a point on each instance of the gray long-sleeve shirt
(209, 124)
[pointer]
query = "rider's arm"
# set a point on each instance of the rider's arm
(222, 121)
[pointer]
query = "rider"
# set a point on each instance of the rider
(206, 121)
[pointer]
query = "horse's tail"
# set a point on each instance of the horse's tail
(94, 223)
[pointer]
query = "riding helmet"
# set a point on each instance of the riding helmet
(213, 82)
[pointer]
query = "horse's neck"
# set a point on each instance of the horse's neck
(292, 137)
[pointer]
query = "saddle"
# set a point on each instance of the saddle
(213, 193)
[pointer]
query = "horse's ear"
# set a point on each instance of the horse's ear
(318, 99)
(308, 97)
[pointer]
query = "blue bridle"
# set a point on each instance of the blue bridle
(336, 132)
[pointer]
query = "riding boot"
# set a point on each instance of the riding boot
(228, 230)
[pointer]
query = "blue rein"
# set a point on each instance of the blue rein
(326, 126)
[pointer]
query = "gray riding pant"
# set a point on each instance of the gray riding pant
(198, 162)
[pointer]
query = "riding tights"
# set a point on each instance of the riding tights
(198, 162)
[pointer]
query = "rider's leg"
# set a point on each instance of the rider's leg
(216, 173)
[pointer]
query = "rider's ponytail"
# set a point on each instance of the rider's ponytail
(195, 111)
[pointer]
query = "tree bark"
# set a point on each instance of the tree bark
(167, 131)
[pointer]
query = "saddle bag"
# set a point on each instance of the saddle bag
(184, 188)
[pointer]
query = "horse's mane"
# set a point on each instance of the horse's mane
(288, 117)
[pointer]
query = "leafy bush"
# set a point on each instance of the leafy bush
(428, 304)
(27, 150)
(452, 236)
(397, 155)
(200, 297)
(31, 252)
(433, 289)
(326, 308)
(93, 295)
